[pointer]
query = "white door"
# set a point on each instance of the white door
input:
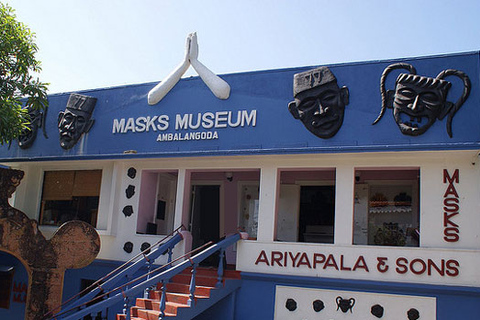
(360, 227)
(287, 214)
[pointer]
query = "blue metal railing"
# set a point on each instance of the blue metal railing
(162, 274)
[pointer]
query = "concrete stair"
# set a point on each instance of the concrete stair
(177, 294)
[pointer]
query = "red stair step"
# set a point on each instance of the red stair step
(180, 288)
(148, 314)
(200, 280)
(176, 297)
(124, 317)
(213, 272)
(178, 291)
(144, 314)
(170, 310)
(149, 304)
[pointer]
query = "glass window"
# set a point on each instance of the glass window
(70, 195)
(306, 206)
(386, 207)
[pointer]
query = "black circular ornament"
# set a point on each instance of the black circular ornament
(291, 304)
(318, 305)
(132, 172)
(128, 247)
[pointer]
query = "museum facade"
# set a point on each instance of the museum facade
(358, 185)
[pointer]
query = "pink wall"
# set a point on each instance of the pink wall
(230, 200)
(146, 207)
(231, 192)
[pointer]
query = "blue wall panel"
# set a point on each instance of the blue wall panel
(255, 299)
(276, 131)
(95, 271)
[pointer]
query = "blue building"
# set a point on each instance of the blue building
(358, 185)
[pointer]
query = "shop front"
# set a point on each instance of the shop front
(358, 184)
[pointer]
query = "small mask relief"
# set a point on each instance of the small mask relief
(291, 305)
(127, 211)
(132, 172)
(319, 102)
(76, 119)
(29, 134)
(130, 191)
(144, 247)
(128, 247)
(345, 304)
(413, 314)
(418, 101)
(377, 311)
(318, 305)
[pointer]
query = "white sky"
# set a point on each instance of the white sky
(86, 44)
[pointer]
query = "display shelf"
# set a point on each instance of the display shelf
(390, 209)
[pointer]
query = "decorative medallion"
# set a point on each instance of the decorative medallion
(127, 211)
(144, 247)
(291, 304)
(345, 304)
(130, 191)
(76, 119)
(128, 247)
(413, 314)
(29, 134)
(319, 102)
(377, 310)
(318, 305)
(132, 172)
(418, 101)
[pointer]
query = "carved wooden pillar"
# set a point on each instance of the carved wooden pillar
(74, 245)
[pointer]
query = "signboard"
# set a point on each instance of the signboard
(260, 116)
(414, 265)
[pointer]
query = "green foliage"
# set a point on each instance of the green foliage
(17, 69)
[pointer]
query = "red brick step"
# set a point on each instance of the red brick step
(177, 293)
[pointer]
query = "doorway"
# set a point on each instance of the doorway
(13, 287)
(306, 206)
(317, 214)
(205, 214)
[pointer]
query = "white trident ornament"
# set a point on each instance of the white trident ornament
(217, 85)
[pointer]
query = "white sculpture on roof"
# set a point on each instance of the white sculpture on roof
(217, 85)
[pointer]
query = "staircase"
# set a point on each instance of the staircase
(189, 290)
(177, 305)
